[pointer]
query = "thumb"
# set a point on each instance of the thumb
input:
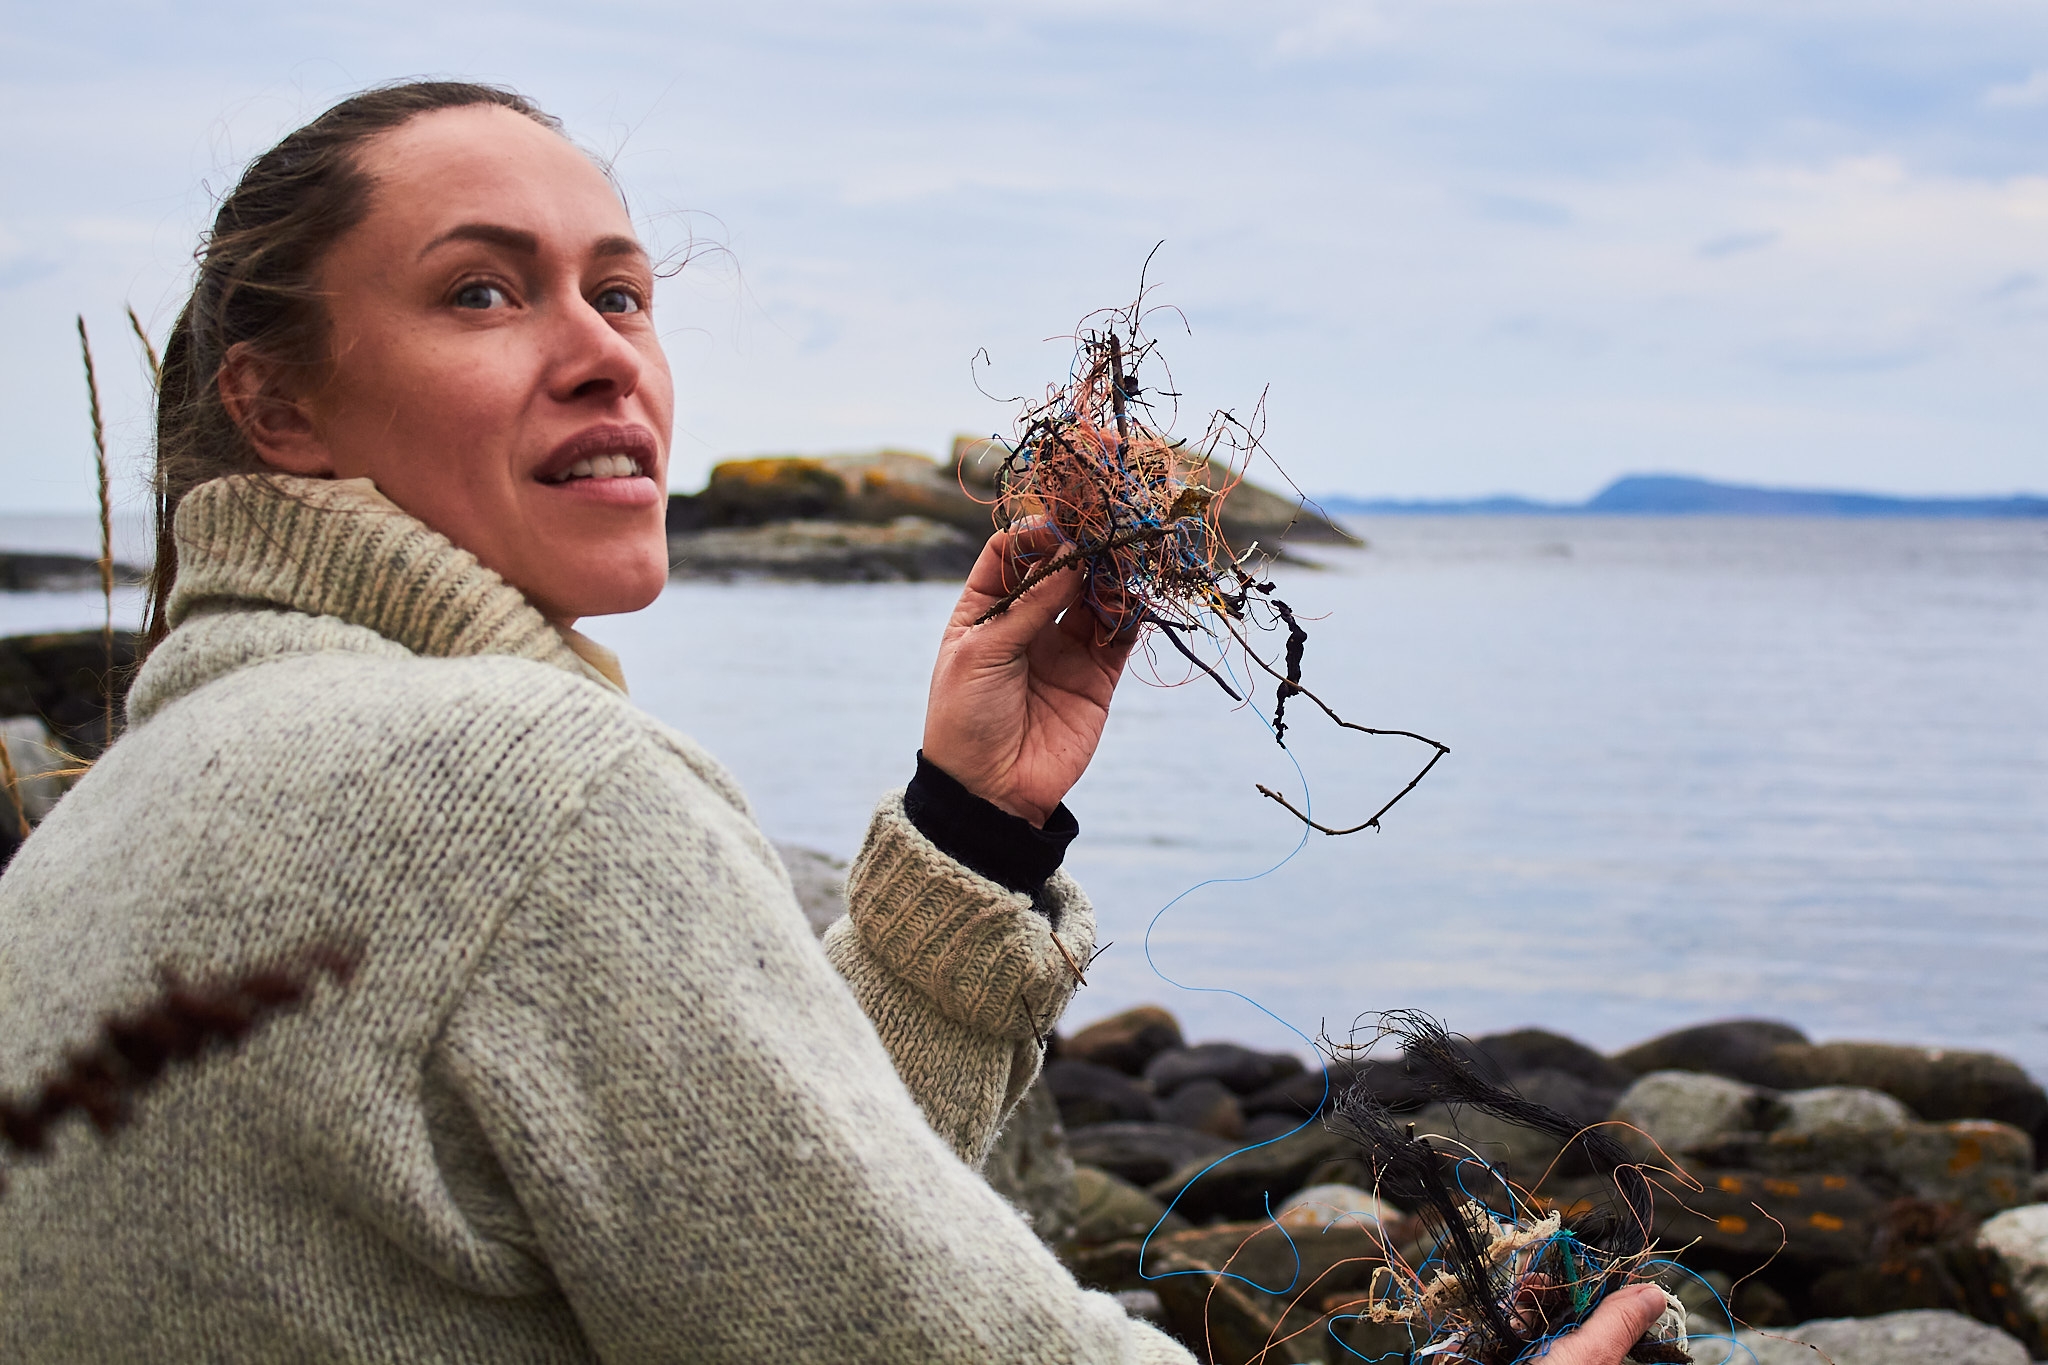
(1616, 1325)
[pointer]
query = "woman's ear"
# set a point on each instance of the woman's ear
(276, 419)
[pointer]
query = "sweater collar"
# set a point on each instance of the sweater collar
(338, 547)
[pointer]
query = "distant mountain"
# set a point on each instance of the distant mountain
(1677, 495)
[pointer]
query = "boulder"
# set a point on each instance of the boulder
(1322, 1206)
(1681, 1110)
(1088, 1094)
(820, 882)
(1956, 1277)
(1242, 1069)
(1143, 1153)
(1935, 1083)
(1266, 1127)
(1570, 1095)
(1534, 1049)
(32, 572)
(1907, 1338)
(1207, 1106)
(1309, 1093)
(1736, 1048)
(1743, 1219)
(1107, 1209)
(1257, 1179)
(1523, 1155)
(1125, 1042)
(1974, 1164)
(1029, 1166)
(2018, 1238)
(1841, 1109)
(1233, 1316)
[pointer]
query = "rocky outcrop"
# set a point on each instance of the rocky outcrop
(892, 515)
(906, 550)
(62, 680)
(31, 572)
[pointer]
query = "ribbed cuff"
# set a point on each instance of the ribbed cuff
(1007, 849)
(966, 943)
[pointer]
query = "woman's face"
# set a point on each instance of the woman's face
(494, 364)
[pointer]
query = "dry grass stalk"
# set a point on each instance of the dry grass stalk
(99, 448)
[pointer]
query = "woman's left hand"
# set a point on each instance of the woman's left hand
(1018, 702)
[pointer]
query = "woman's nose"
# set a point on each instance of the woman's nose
(592, 360)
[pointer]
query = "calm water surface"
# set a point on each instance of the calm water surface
(1699, 768)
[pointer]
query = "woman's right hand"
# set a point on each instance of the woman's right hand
(1617, 1324)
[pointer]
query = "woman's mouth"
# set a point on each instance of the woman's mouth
(601, 467)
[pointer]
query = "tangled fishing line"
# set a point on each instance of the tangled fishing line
(1501, 1284)
(1140, 511)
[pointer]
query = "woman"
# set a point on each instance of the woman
(592, 1092)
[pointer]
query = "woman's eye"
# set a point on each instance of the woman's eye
(480, 296)
(616, 301)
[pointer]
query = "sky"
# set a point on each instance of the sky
(1460, 246)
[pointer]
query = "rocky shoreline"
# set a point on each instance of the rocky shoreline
(1883, 1203)
(1879, 1201)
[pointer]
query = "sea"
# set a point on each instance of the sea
(1699, 768)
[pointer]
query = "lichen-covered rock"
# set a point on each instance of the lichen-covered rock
(1911, 1338)
(1842, 1109)
(2019, 1239)
(1321, 1206)
(1975, 1164)
(1029, 1165)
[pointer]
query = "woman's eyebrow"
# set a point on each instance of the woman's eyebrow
(512, 239)
(527, 243)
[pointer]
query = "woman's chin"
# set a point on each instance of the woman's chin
(602, 585)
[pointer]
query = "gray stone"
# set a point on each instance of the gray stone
(1578, 1099)
(1088, 1094)
(1737, 1048)
(1108, 1209)
(1252, 1181)
(1029, 1165)
(1681, 1110)
(1142, 1153)
(2019, 1239)
(1916, 1338)
(1842, 1109)
(1320, 1206)
(820, 881)
(1207, 1106)
(1522, 1154)
(1242, 1069)
(1534, 1049)
(1126, 1041)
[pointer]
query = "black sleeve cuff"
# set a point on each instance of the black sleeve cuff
(1007, 849)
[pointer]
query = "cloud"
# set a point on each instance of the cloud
(2027, 94)
(1735, 244)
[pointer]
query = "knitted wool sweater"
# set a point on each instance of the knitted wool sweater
(593, 1092)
